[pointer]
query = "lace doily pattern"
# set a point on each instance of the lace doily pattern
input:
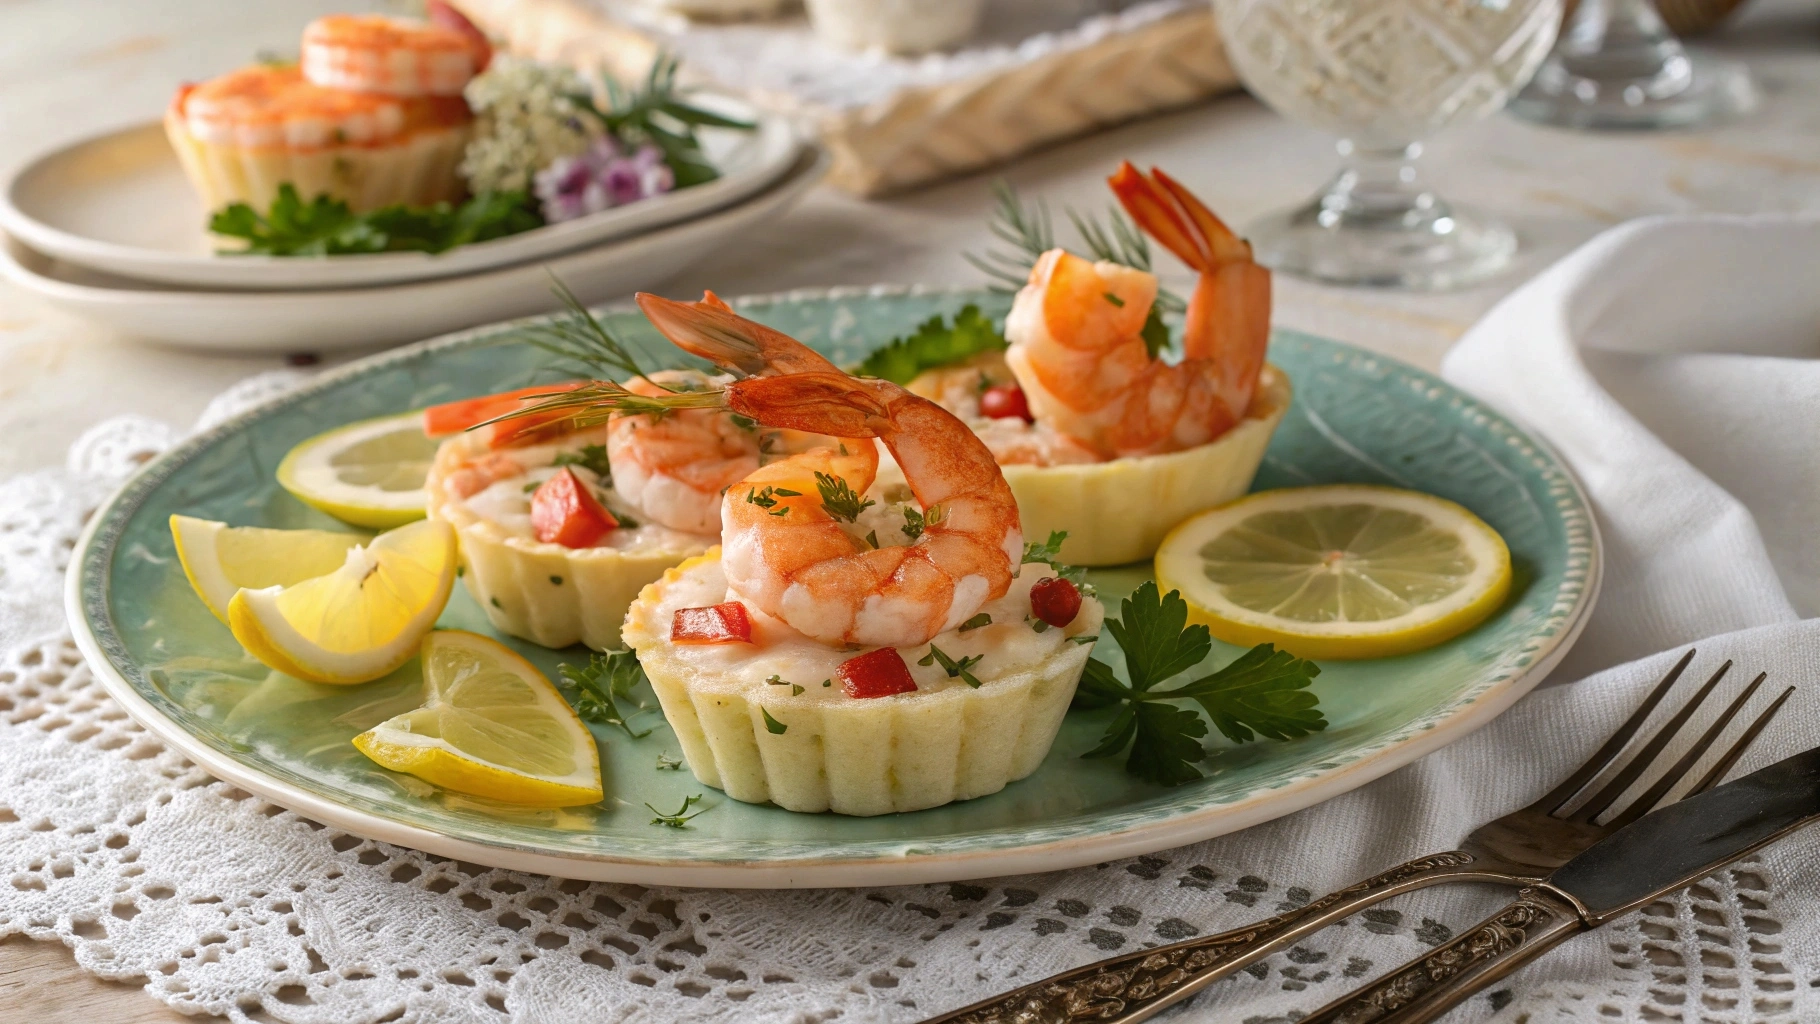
(149, 869)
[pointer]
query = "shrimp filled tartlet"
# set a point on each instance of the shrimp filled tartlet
(373, 116)
(559, 531)
(843, 651)
(1099, 437)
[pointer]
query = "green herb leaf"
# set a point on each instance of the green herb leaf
(935, 343)
(325, 226)
(1156, 333)
(680, 817)
(839, 498)
(599, 686)
(666, 763)
(951, 666)
(1265, 690)
(915, 521)
(658, 113)
(591, 457)
(872, 539)
(772, 725)
(1028, 232)
(1049, 553)
(982, 619)
(1262, 692)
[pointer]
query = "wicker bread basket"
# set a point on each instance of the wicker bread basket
(1153, 56)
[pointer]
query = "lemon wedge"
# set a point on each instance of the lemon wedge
(491, 726)
(368, 473)
(1345, 571)
(220, 559)
(358, 622)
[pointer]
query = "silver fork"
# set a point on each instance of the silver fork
(1520, 848)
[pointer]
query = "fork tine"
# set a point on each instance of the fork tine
(1645, 757)
(1603, 756)
(1657, 790)
(1718, 773)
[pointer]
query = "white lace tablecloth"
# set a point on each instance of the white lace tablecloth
(1692, 432)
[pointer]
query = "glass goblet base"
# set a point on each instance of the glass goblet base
(1402, 239)
(1704, 90)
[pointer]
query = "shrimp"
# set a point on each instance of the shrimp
(371, 53)
(275, 108)
(784, 550)
(674, 467)
(1076, 333)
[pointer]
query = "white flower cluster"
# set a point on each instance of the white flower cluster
(524, 120)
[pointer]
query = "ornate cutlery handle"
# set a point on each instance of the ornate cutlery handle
(1130, 988)
(1423, 989)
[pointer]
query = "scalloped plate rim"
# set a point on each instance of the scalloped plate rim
(890, 862)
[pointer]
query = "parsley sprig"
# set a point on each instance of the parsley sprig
(934, 343)
(916, 522)
(1049, 553)
(325, 226)
(1029, 232)
(600, 685)
(1263, 692)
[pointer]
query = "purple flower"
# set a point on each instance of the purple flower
(600, 178)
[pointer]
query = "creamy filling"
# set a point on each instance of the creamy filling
(506, 503)
(781, 659)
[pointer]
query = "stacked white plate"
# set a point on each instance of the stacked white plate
(110, 230)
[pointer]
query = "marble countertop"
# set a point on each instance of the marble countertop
(70, 68)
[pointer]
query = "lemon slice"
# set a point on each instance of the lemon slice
(1347, 571)
(491, 726)
(358, 622)
(220, 559)
(368, 473)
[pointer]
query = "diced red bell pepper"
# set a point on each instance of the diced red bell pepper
(879, 673)
(564, 511)
(1055, 601)
(717, 624)
(467, 413)
(1005, 402)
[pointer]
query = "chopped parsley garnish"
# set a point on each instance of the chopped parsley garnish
(666, 763)
(625, 522)
(745, 423)
(953, 668)
(982, 619)
(1263, 692)
(591, 457)
(916, 522)
(680, 817)
(325, 226)
(532, 487)
(772, 725)
(1049, 553)
(606, 680)
(839, 499)
(934, 343)
(1116, 301)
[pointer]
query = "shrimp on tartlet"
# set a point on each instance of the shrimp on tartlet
(847, 649)
(560, 526)
(1104, 440)
(373, 53)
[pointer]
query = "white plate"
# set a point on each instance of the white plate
(320, 321)
(120, 203)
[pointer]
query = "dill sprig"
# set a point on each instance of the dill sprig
(839, 498)
(678, 818)
(600, 685)
(657, 112)
(1029, 231)
(581, 341)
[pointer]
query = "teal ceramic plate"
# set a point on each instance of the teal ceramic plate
(1356, 417)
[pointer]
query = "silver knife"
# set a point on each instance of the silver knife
(1660, 853)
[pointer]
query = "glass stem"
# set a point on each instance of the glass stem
(1378, 188)
(1623, 40)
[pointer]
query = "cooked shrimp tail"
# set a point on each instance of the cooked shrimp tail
(1228, 319)
(710, 329)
